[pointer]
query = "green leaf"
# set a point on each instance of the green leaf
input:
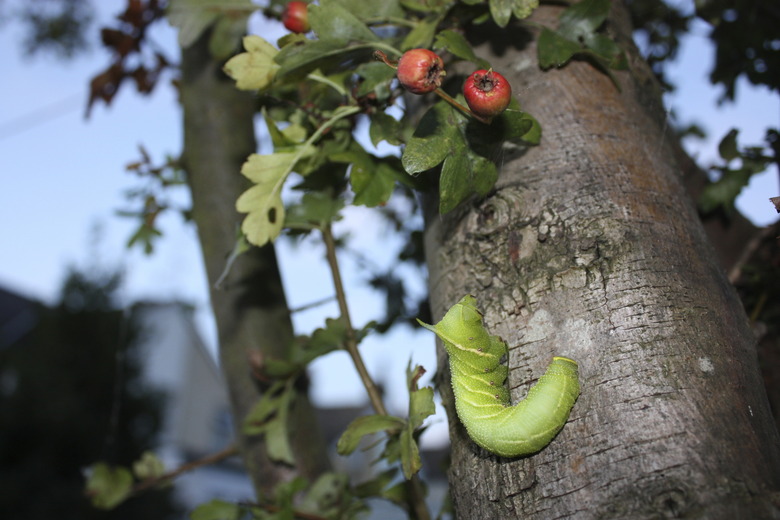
(109, 486)
(254, 69)
(376, 10)
(462, 174)
(553, 50)
(410, 453)
(227, 32)
(501, 11)
(148, 466)
(384, 127)
(420, 406)
(376, 485)
(315, 211)
(332, 22)
(372, 180)
(284, 140)
(426, 6)
(367, 425)
(269, 417)
(724, 191)
(332, 337)
(422, 34)
(374, 74)
(313, 54)
(373, 187)
(277, 436)
(523, 8)
(257, 419)
(191, 17)
(458, 46)
(436, 137)
(580, 21)
(517, 125)
(727, 148)
(216, 510)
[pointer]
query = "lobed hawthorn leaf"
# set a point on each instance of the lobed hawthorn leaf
(456, 44)
(254, 69)
(263, 202)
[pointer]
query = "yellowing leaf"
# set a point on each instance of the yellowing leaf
(256, 68)
(263, 202)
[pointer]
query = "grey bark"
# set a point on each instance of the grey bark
(250, 306)
(590, 248)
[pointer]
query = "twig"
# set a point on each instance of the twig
(749, 250)
(373, 391)
(184, 468)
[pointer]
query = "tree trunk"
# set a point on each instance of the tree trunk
(590, 248)
(250, 306)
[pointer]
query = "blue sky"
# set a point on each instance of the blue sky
(64, 178)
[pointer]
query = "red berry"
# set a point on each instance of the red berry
(420, 71)
(487, 93)
(296, 17)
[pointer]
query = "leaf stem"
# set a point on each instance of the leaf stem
(449, 99)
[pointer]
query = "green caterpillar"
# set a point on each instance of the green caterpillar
(481, 395)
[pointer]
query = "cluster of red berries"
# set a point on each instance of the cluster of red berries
(487, 92)
(420, 71)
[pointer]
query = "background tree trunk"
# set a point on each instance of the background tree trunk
(250, 306)
(590, 248)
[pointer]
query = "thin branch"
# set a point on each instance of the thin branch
(184, 468)
(373, 391)
(749, 250)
